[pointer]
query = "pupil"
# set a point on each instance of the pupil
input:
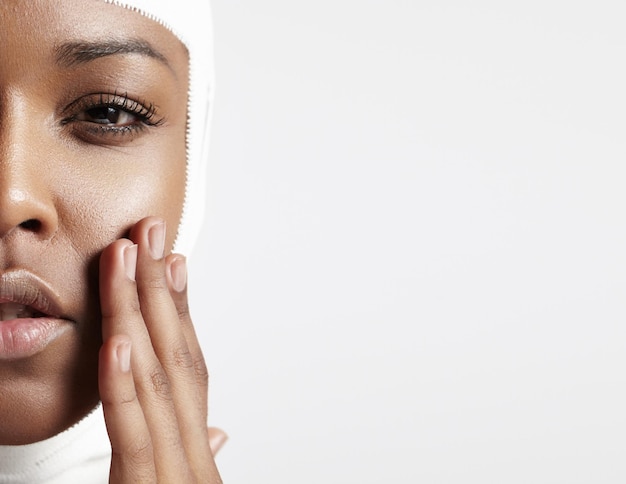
(104, 115)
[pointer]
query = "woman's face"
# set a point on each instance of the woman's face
(92, 138)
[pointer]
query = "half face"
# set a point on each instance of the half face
(92, 139)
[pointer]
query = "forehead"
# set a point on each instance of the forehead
(39, 29)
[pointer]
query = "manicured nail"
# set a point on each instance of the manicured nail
(178, 270)
(130, 261)
(216, 442)
(123, 356)
(156, 239)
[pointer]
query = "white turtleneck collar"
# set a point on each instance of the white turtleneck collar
(80, 454)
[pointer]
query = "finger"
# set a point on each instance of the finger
(217, 439)
(132, 459)
(157, 307)
(117, 272)
(121, 314)
(162, 321)
(177, 281)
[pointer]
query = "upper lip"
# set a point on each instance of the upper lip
(24, 287)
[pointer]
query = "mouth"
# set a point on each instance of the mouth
(13, 310)
(23, 294)
(30, 315)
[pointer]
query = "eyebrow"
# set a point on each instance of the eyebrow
(71, 54)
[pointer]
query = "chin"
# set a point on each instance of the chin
(45, 393)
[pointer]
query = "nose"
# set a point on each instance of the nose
(26, 199)
(22, 208)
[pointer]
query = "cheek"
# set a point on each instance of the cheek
(102, 198)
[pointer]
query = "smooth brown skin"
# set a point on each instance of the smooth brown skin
(75, 201)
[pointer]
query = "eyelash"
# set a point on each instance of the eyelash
(146, 114)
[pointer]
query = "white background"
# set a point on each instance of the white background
(414, 264)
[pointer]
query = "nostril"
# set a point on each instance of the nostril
(31, 224)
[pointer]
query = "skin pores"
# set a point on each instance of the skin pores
(92, 139)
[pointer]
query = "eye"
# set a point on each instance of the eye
(103, 118)
(107, 115)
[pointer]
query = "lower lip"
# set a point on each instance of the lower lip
(21, 338)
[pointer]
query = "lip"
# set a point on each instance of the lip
(25, 337)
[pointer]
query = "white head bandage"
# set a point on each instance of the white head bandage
(190, 21)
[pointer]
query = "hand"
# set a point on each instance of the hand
(153, 379)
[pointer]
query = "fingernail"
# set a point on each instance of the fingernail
(217, 442)
(123, 356)
(178, 270)
(130, 261)
(156, 239)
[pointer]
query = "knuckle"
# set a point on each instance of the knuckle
(140, 451)
(201, 371)
(182, 358)
(126, 400)
(127, 306)
(153, 281)
(133, 306)
(183, 311)
(160, 384)
(137, 453)
(121, 400)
